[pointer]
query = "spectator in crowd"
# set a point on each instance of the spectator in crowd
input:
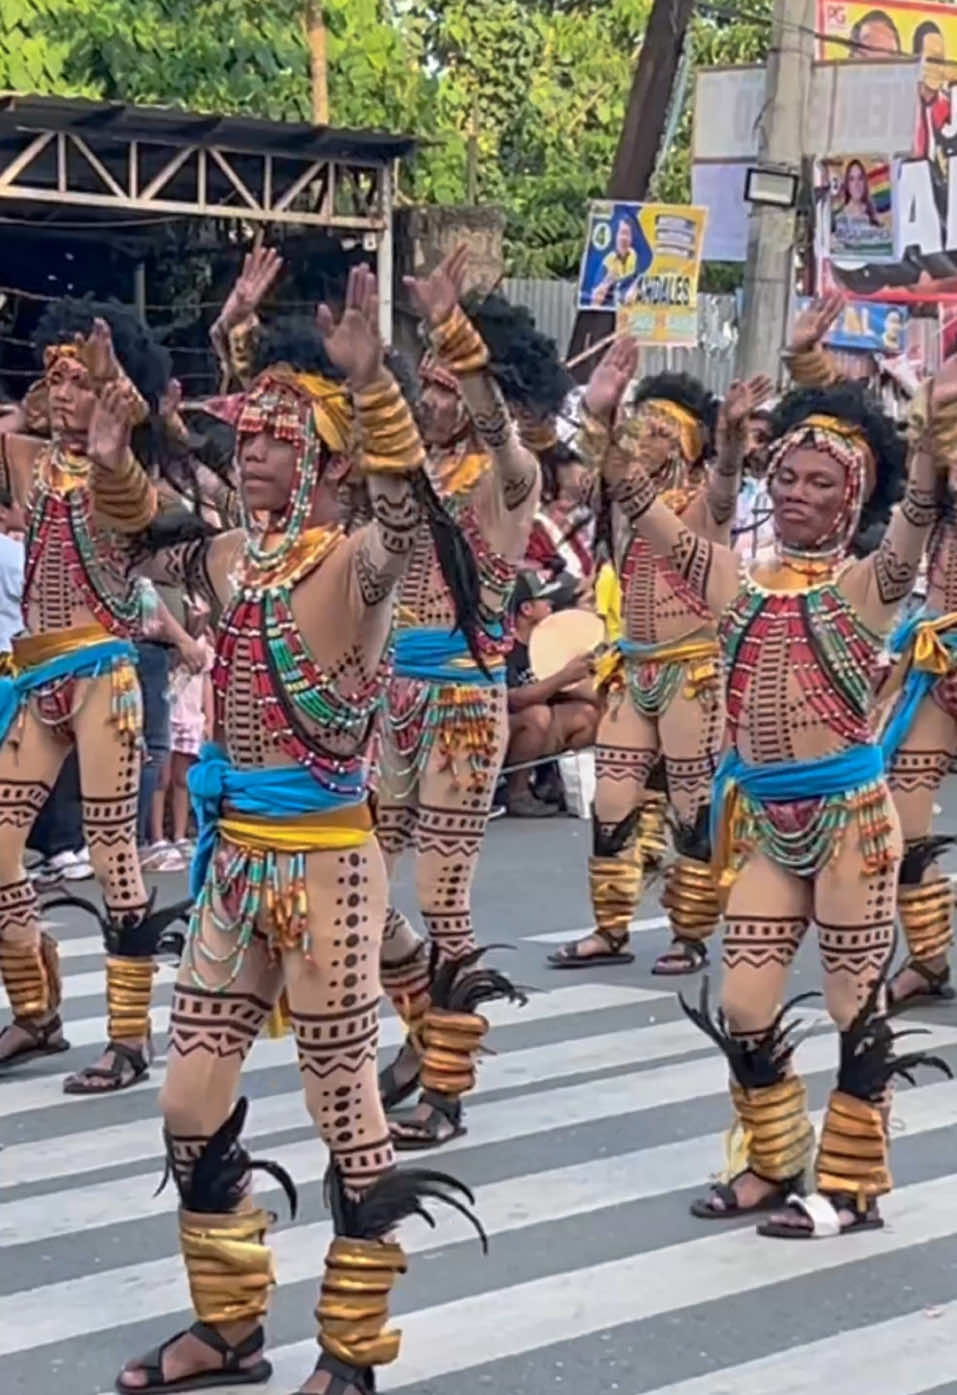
(753, 526)
(546, 717)
(564, 526)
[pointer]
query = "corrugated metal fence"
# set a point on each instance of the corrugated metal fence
(553, 305)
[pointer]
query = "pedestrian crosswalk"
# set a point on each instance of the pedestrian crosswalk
(596, 1123)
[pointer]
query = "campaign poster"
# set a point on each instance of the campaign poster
(890, 29)
(860, 213)
(642, 260)
(868, 325)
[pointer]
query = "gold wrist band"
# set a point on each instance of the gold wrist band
(926, 913)
(389, 440)
(353, 1306)
(812, 367)
(229, 1266)
(459, 345)
(129, 986)
(31, 976)
(615, 886)
(691, 898)
(779, 1133)
(451, 1042)
(852, 1156)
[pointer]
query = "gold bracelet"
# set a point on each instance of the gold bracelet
(388, 438)
(459, 345)
(812, 367)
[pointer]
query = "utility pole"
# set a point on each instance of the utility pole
(642, 129)
(315, 25)
(771, 231)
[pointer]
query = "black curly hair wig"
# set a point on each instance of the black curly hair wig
(294, 339)
(852, 403)
(143, 359)
(524, 362)
(685, 391)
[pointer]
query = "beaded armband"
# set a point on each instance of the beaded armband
(459, 345)
(388, 439)
(812, 367)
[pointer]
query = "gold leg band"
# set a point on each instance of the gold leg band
(615, 887)
(353, 1306)
(652, 844)
(780, 1136)
(129, 986)
(691, 899)
(31, 976)
(451, 1042)
(852, 1157)
(229, 1266)
(926, 913)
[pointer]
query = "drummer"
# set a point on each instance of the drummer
(547, 717)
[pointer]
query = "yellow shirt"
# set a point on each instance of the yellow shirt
(618, 268)
(608, 602)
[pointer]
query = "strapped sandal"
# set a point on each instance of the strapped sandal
(344, 1376)
(569, 956)
(230, 1373)
(393, 1092)
(703, 1210)
(822, 1212)
(113, 1075)
(445, 1109)
(39, 1043)
(688, 956)
(939, 987)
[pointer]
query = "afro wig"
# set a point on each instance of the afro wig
(143, 359)
(852, 403)
(295, 340)
(685, 391)
(524, 361)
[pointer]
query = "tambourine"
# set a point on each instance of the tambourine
(561, 637)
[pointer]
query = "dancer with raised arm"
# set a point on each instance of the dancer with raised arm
(663, 710)
(802, 818)
(291, 886)
(87, 496)
(446, 726)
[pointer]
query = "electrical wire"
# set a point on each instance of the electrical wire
(731, 11)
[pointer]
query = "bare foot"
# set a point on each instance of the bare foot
(100, 1077)
(749, 1190)
(187, 1355)
(16, 1040)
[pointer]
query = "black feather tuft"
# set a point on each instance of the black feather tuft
(755, 1064)
(394, 1197)
(609, 842)
(220, 1175)
(919, 855)
(459, 987)
(868, 1063)
(693, 840)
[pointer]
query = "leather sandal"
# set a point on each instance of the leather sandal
(688, 956)
(230, 1373)
(570, 957)
(731, 1210)
(114, 1076)
(39, 1043)
(822, 1213)
(939, 987)
(428, 1131)
(345, 1378)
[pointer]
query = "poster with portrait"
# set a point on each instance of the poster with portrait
(859, 210)
(890, 29)
(867, 325)
(642, 260)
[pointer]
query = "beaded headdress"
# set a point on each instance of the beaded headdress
(846, 444)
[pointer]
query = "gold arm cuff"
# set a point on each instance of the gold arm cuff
(459, 345)
(124, 498)
(31, 976)
(353, 1306)
(229, 1266)
(691, 899)
(129, 986)
(389, 440)
(813, 367)
(451, 1041)
(780, 1136)
(615, 887)
(852, 1156)
(926, 913)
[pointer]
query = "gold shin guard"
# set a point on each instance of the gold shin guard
(228, 1264)
(652, 844)
(779, 1136)
(615, 888)
(353, 1306)
(926, 914)
(691, 899)
(852, 1157)
(451, 1042)
(31, 976)
(129, 985)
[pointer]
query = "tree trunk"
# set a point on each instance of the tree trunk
(315, 24)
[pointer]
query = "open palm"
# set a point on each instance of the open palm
(353, 342)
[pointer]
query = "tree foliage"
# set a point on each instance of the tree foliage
(528, 94)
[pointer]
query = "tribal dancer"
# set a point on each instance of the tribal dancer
(75, 683)
(446, 727)
(802, 815)
(660, 681)
(291, 886)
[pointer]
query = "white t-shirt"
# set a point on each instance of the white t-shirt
(11, 590)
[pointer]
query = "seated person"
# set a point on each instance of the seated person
(546, 717)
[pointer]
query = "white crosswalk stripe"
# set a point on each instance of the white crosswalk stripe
(597, 1122)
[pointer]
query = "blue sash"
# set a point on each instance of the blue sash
(441, 656)
(279, 792)
(917, 685)
(89, 662)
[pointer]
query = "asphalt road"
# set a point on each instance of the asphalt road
(591, 1131)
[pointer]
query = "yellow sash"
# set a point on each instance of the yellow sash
(29, 651)
(336, 829)
(931, 655)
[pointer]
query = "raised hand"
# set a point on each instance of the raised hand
(111, 424)
(171, 400)
(261, 267)
(814, 321)
(740, 400)
(436, 296)
(98, 353)
(609, 382)
(353, 342)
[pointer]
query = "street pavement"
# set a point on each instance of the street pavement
(592, 1129)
